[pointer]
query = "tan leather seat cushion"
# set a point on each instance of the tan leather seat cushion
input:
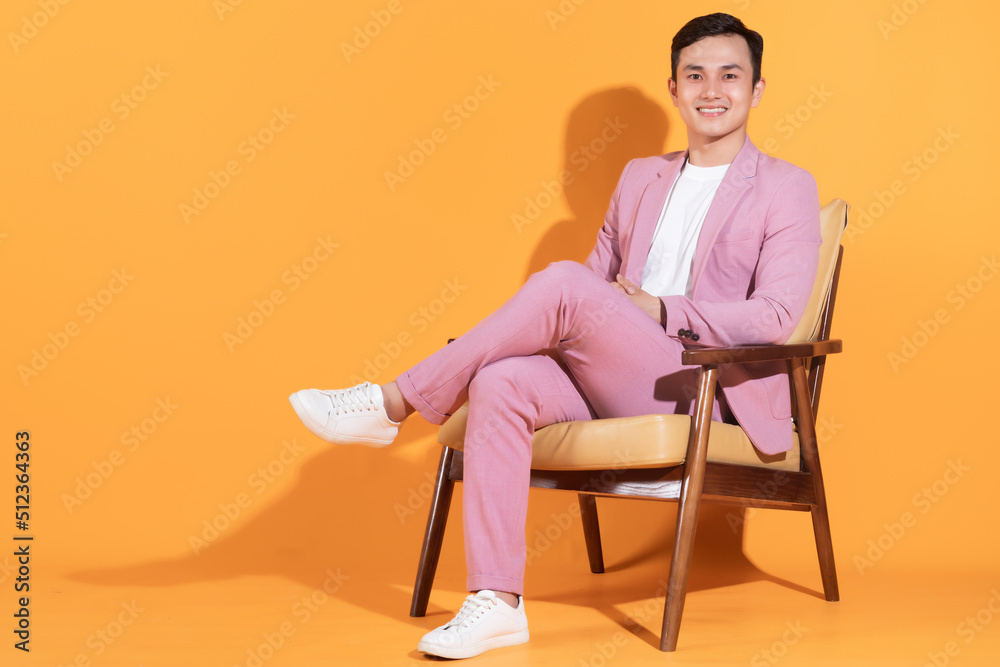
(649, 441)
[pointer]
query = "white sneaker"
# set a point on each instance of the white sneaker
(346, 416)
(484, 622)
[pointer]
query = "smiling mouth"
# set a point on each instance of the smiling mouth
(711, 110)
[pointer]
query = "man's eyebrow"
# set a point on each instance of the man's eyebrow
(702, 67)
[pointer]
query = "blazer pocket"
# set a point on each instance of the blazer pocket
(741, 236)
(733, 259)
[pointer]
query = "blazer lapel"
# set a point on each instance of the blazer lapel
(737, 181)
(646, 216)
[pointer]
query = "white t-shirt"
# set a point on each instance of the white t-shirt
(668, 266)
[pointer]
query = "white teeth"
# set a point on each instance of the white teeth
(712, 110)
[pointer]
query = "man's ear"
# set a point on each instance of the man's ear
(672, 87)
(758, 92)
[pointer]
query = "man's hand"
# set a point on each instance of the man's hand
(649, 303)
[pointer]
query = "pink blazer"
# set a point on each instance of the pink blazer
(753, 270)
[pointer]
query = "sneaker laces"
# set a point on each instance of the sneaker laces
(355, 399)
(473, 609)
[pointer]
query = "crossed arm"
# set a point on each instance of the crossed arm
(781, 269)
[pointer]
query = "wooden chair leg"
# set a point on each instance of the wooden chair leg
(591, 532)
(810, 455)
(824, 549)
(687, 511)
(434, 535)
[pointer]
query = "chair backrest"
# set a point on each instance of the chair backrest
(832, 221)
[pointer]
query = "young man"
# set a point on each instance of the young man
(716, 245)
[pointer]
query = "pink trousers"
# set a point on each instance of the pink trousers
(620, 363)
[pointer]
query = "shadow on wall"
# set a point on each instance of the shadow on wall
(332, 521)
(603, 132)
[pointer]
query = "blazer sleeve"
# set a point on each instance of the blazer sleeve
(606, 258)
(781, 283)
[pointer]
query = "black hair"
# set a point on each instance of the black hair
(711, 26)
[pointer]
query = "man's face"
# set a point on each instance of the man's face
(714, 90)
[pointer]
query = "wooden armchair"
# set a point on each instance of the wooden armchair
(677, 457)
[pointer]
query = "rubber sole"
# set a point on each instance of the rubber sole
(458, 653)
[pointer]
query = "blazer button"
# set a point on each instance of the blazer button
(695, 337)
(682, 333)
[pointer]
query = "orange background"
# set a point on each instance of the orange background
(302, 265)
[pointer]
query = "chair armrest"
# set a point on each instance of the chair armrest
(742, 354)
